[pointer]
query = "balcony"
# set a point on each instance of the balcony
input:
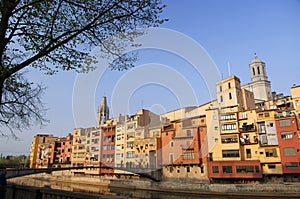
(248, 141)
(247, 128)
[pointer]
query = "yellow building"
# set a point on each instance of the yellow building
(38, 150)
(295, 92)
(232, 100)
(248, 135)
(269, 153)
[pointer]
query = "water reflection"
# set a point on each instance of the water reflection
(117, 191)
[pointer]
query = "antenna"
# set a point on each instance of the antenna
(228, 65)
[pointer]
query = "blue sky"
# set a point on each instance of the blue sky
(230, 31)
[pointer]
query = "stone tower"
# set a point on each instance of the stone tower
(259, 85)
(103, 112)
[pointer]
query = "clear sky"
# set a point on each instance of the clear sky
(229, 31)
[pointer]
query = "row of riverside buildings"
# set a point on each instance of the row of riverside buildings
(248, 134)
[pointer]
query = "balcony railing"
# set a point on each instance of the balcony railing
(247, 128)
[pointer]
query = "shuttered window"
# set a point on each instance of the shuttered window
(289, 151)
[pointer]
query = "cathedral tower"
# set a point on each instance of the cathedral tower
(103, 112)
(259, 85)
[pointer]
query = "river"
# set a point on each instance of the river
(117, 191)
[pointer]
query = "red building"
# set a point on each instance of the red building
(288, 141)
(249, 169)
(108, 148)
(61, 151)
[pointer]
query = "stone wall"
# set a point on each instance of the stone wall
(27, 192)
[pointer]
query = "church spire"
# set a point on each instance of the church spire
(103, 112)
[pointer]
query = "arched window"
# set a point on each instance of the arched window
(258, 71)
(253, 71)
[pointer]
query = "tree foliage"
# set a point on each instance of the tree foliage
(14, 161)
(58, 35)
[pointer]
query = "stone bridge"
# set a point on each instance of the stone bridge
(150, 173)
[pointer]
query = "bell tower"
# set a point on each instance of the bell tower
(258, 69)
(260, 85)
(103, 112)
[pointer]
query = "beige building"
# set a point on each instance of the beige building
(79, 153)
(132, 131)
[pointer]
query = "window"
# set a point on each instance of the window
(188, 156)
(297, 103)
(229, 86)
(230, 153)
(271, 152)
(188, 169)
(130, 144)
(228, 117)
(230, 96)
(267, 114)
(227, 169)
(221, 98)
(216, 128)
(244, 115)
(271, 166)
(171, 158)
(188, 144)
(289, 151)
(286, 135)
(171, 144)
(258, 70)
(228, 127)
(285, 122)
(291, 165)
(215, 169)
(188, 133)
(248, 153)
(229, 139)
(130, 154)
(245, 169)
(257, 169)
(253, 70)
(220, 88)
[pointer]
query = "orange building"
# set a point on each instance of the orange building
(182, 143)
